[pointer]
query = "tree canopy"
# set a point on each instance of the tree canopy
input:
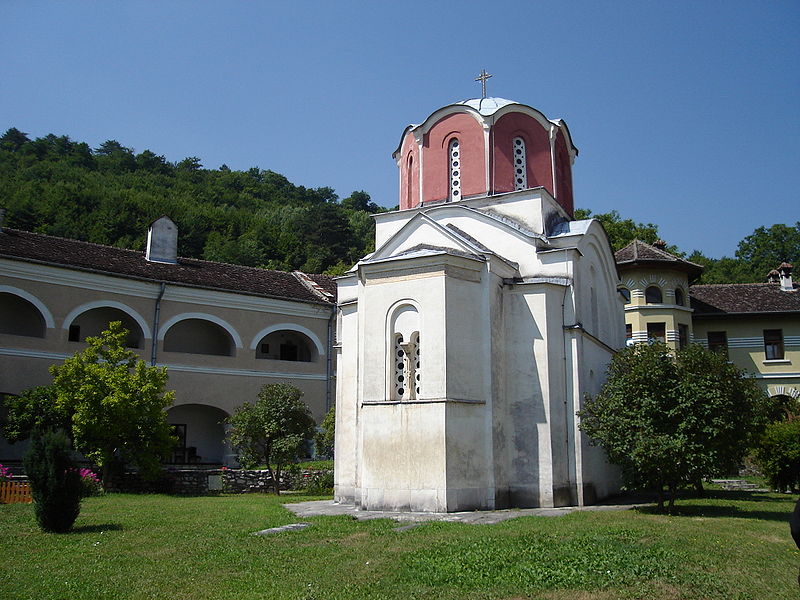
(108, 400)
(109, 195)
(670, 421)
(272, 430)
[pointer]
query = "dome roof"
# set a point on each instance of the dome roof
(487, 106)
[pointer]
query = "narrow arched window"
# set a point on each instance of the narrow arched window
(626, 294)
(409, 175)
(652, 295)
(679, 300)
(520, 165)
(454, 153)
(400, 383)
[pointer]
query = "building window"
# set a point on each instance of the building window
(74, 333)
(409, 179)
(406, 367)
(628, 332)
(657, 332)
(652, 295)
(773, 344)
(679, 299)
(718, 342)
(520, 166)
(288, 345)
(626, 294)
(683, 336)
(455, 169)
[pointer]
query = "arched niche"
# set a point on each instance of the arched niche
(19, 316)
(92, 321)
(195, 335)
(287, 344)
(200, 431)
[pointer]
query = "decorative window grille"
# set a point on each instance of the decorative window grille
(415, 362)
(399, 354)
(520, 166)
(406, 367)
(455, 169)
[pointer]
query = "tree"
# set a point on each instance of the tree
(778, 452)
(622, 232)
(112, 403)
(55, 481)
(325, 438)
(766, 248)
(670, 421)
(272, 430)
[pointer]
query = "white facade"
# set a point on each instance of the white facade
(508, 314)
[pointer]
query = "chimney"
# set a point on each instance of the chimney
(162, 241)
(660, 244)
(773, 276)
(785, 271)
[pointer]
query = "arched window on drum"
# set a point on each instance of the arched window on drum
(520, 164)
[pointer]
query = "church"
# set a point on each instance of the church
(469, 339)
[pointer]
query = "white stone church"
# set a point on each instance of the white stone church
(468, 340)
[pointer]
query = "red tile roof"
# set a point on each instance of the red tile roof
(743, 298)
(118, 262)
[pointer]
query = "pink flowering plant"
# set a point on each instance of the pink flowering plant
(5, 473)
(90, 483)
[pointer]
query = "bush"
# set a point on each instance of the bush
(55, 481)
(779, 454)
(319, 483)
(90, 483)
(5, 473)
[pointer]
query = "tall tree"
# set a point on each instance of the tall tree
(622, 232)
(670, 421)
(273, 430)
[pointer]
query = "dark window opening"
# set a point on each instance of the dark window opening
(718, 342)
(74, 333)
(679, 300)
(657, 332)
(626, 293)
(628, 332)
(653, 295)
(683, 336)
(773, 344)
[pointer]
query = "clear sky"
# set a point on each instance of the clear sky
(686, 114)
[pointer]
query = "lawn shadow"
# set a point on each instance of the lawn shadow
(695, 506)
(97, 528)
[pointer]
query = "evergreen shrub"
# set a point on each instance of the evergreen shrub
(56, 485)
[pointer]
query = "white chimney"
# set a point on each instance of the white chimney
(785, 271)
(162, 241)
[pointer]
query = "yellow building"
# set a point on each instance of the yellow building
(655, 286)
(757, 325)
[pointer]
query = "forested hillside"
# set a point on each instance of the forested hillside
(110, 195)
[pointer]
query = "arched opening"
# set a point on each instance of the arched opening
(200, 432)
(198, 336)
(409, 179)
(20, 317)
(626, 295)
(653, 295)
(94, 321)
(404, 354)
(287, 345)
(680, 300)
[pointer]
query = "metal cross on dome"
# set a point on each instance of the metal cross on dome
(482, 78)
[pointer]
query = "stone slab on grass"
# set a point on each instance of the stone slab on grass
(289, 527)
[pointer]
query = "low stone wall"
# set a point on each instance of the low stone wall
(198, 482)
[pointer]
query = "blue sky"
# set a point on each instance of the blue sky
(686, 114)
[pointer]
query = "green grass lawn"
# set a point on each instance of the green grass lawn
(730, 545)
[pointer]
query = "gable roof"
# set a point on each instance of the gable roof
(743, 298)
(642, 254)
(191, 272)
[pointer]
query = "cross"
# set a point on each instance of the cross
(482, 78)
